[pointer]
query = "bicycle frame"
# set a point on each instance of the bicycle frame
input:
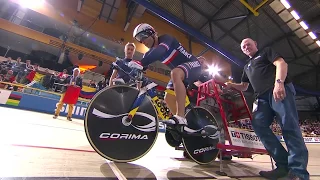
(149, 90)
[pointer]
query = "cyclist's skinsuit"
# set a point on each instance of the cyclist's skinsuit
(123, 63)
(171, 53)
(202, 78)
(205, 76)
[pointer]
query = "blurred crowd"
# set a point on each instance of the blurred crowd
(309, 127)
(15, 71)
(18, 72)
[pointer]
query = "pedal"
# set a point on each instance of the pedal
(174, 127)
(180, 128)
(173, 138)
(167, 122)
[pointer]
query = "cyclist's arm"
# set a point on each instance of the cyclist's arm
(139, 84)
(154, 55)
(113, 75)
(158, 52)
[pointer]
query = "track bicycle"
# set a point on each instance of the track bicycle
(121, 124)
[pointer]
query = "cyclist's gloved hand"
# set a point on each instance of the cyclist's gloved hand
(145, 69)
(135, 65)
(114, 65)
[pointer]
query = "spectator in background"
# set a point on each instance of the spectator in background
(8, 61)
(30, 76)
(92, 84)
(47, 80)
(6, 65)
(10, 78)
(129, 51)
(58, 79)
(101, 84)
(74, 80)
(18, 62)
(17, 66)
(25, 70)
(63, 75)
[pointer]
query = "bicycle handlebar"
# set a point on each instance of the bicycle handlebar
(138, 73)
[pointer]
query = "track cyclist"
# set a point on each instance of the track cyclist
(185, 68)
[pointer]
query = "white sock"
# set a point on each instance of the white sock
(181, 120)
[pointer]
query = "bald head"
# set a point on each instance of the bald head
(249, 47)
(76, 71)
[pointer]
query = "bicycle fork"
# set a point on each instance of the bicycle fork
(138, 101)
(136, 105)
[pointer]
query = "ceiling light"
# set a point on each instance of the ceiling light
(304, 25)
(312, 35)
(31, 4)
(213, 70)
(295, 15)
(285, 3)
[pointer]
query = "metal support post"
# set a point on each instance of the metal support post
(253, 9)
(220, 172)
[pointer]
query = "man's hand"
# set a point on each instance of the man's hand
(279, 92)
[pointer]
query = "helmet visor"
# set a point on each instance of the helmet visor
(142, 36)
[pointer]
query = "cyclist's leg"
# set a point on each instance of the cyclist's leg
(184, 73)
(170, 99)
(177, 77)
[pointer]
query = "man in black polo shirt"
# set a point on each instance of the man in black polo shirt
(266, 71)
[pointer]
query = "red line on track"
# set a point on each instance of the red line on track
(56, 148)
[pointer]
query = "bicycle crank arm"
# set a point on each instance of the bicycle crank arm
(175, 130)
(197, 134)
(184, 133)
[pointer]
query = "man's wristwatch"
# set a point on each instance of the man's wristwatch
(279, 81)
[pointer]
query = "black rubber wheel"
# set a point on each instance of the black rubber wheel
(171, 140)
(186, 155)
(109, 134)
(201, 149)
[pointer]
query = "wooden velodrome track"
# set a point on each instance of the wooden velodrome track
(35, 146)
